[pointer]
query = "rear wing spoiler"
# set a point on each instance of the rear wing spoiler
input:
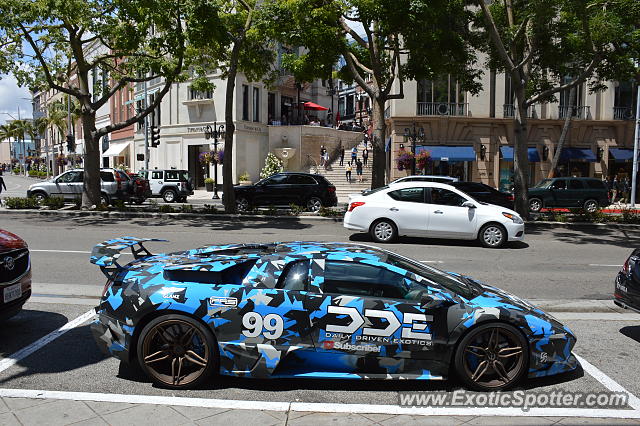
(106, 254)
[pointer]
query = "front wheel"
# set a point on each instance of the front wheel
(384, 231)
(242, 204)
(177, 352)
(492, 357)
(314, 204)
(492, 235)
(39, 197)
(591, 206)
(535, 204)
(169, 196)
(104, 199)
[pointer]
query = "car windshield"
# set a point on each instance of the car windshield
(544, 184)
(457, 285)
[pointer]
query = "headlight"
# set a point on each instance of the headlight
(514, 217)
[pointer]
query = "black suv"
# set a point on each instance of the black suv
(485, 193)
(283, 189)
(588, 193)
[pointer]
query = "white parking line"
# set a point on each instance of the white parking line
(59, 251)
(600, 264)
(608, 382)
(38, 344)
(431, 261)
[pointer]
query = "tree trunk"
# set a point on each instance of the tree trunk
(563, 134)
(227, 167)
(520, 157)
(91, 187)
(378, 168)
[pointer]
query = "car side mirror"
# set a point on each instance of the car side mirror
(469, 205)
(427, 301)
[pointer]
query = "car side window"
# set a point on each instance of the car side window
(172, 175)
(295, 276)
(70, 177)
(575, 184)
(359, 279)
(301, 180)
(444, 197)
(276, 180)
(411, 195)
(107, 177)
(559, 184)
(156, 174)
(595, 184)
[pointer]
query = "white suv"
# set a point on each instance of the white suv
(434, 210)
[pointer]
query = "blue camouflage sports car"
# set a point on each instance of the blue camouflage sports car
(316, 310)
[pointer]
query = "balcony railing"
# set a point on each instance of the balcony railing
(581, 112)
(623, 113)
(443, 108)
(509, 111)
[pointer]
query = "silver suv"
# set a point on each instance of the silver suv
(115, 185)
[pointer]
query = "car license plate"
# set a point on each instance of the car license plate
(12, 293)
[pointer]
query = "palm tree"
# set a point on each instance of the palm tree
(20, 128)
(7, 133)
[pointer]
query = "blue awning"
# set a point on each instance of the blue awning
(577, 154)
(621, 154)
(449, 153)
(532, 153)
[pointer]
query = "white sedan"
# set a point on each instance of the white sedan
(434, 210)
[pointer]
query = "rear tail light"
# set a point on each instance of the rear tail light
(355, 204)
(510, 197)
(626, 268)
(331, 189)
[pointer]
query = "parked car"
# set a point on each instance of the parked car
(283, 189)
(431, 209)
(627, 283)
(171, 185)
(322, 310)
(15, 274)
(588, 193)
(485, 193)
(426, 178)
(114, 184)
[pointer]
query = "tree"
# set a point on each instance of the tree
(235, 46)
(49, 44)
(550, 46)
(382, 44)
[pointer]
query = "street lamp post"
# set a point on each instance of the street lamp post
(413, 134)
(215, 132)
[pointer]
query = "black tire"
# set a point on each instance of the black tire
(39, 196)
(492, 235)
(503, 350)
(161, 352)
(314, 204)
(383, 231)
(591, 206)
(104, 199)
(242, 204)
(169, 196)
(535, 205)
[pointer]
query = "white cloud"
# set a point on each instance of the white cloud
(13, 97)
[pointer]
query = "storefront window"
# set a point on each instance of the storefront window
(457, 169)
(505, 183)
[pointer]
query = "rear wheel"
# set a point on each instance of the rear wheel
(242, 204)
(39, 197)
(314, 204)
(535, 204)
(591, 206)
(492, 357)
(169, 196)
(492, 235)
(104, 199)
(384, 231)
(177, 352)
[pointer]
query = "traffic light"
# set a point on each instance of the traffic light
(71, 143)
(155, 136)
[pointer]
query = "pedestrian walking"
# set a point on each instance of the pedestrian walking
(365, 155)
(614, 189)
(348, 173)
(626, 190)
(359, 170)
(342, 157)
(2, 184)
(326, 159)
(322, 150)
(354, 154)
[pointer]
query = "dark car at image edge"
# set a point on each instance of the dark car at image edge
(15, 274)
(283, 189)
(627, 283)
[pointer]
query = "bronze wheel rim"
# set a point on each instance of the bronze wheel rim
(494, 358)
(175, 352)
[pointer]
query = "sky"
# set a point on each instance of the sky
(11, 98)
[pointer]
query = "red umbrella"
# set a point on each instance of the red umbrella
(314, 107)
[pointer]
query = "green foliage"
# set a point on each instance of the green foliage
(296, 209)
(244, 177)
(54, 203)
(272, 165)
(186, 208)
(209, 209)
(630, 216)
(209, 180)
(165, 208)
(120, 205)
(21, 203)
(329, 212)
(270, 211)
(16, 170)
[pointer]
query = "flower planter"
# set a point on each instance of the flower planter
(209, 186)
(244, 182)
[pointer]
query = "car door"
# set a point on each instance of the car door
(156, 181)
(447, 217)
(407, 208)
(370, 312)
(66, 184)
(576, 192)
(271, 191)
(299, 188)
(558, 189)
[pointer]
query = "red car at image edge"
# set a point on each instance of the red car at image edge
(15, 274)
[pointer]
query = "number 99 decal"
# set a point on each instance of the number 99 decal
(271, 326)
